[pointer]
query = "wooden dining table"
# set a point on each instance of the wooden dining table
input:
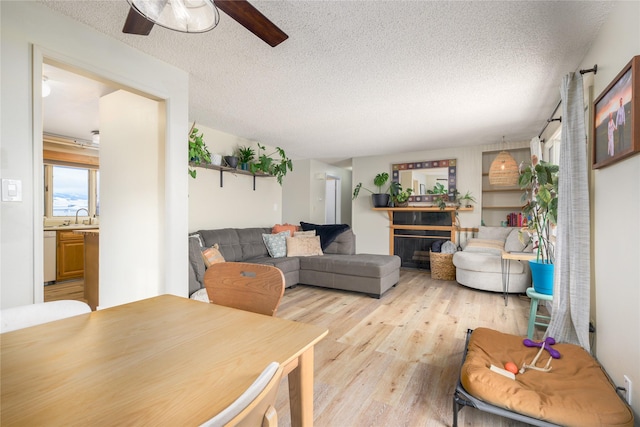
(165, 360)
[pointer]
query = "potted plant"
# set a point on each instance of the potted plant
(272, 166)
(540, 182)
(245, 155)
(465, 200)
(198, 151)
(381, 198)
(401, 196)
(440, 195)
(231, 161)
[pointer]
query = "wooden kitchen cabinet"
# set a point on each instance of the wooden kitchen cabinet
(70, 255)
(91, 266)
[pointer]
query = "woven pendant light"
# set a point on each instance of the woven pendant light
(504, 170)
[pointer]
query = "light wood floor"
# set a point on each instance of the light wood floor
(72, 289)
(392, 361)
(395, 361)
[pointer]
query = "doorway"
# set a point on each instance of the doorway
(130, 127)
(332, 199)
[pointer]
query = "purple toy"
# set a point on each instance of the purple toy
(548, 343)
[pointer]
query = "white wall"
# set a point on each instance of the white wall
(304, 192)
(372, 227)
(235, 204)
(616, 217)
(296, 198)
(30, 31)
(130, 124)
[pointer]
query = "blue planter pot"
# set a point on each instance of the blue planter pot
(542, 275)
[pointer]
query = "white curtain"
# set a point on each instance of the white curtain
(570, 310)
(536, 147)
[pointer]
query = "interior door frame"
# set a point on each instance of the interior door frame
(40, 55)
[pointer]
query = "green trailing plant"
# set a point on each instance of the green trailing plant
(539, 181)
(379, 181)
(198, 151)
(246, 154)
(441, 197)
(266, 164)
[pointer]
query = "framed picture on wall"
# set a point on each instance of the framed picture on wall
(616, 126)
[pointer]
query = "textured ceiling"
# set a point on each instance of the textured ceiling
(360, 78)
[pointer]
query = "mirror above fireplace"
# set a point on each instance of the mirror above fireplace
(423, 176)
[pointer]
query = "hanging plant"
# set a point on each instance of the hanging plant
(272, 166)
(198, 151)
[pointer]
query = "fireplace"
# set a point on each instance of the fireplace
(413, 245)
(415, 228)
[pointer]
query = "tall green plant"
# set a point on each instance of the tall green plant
(540, 182)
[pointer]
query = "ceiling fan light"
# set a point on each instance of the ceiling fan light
(504, 170)
(186, 16)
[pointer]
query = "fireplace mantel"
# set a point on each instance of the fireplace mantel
(424, 209)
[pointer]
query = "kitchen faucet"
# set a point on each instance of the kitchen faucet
(81, 209)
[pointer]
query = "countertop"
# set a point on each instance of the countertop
(87, 231)
(71, 227)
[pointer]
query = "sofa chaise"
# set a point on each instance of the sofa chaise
(338, 268)
(479, 264)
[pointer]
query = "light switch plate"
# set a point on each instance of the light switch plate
(11, 190)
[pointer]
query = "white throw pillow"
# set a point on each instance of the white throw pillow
(494, 233)
(304, 246)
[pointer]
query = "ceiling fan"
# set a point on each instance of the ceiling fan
(199, 16)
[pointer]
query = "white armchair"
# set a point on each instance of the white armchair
(479, 265)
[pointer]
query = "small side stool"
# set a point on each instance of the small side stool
(534, 317)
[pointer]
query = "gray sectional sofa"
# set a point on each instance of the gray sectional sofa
(339, 268)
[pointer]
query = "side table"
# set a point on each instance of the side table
(505, 264)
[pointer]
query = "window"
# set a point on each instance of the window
(552, 147)
(69, 189)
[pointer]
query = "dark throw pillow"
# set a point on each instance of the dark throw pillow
(437, 246)
(327, 233)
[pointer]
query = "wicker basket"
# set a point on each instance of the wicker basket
(442, 267)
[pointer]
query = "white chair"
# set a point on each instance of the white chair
(24, 316)
(254, 407)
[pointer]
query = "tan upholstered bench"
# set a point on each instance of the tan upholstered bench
(576, 392)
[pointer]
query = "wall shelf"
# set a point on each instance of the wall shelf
(507, 190)
(234, 171)
(498, 202)
(497, 208)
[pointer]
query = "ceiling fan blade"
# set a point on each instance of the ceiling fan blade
(137, 24)
(251, 18)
